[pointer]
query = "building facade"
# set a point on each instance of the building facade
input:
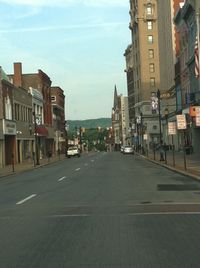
(58, 106)
(146, 67)
(16, 137)
(42, 83)
(188, 96)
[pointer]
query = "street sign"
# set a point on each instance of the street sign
(181, 121)
(198, 121)
(197, 116)
(171, 128)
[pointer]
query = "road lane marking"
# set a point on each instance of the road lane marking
(68, 215)
(92, 160)
(26, 199)
(61, 179)
(77, 169)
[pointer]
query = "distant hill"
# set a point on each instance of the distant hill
(89, 123)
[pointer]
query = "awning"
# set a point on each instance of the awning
(41, 131)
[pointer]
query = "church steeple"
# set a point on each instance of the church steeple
(115, 105)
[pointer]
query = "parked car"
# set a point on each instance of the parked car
(128, 150)
(73, 151)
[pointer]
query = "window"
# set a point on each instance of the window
(53, 98)
(149, 9)
(152, 82)
(151, 53)
(149, 25)
(151, 68)
(150, 39)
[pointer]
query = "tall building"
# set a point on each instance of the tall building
(146, 66)
(168, 39)
(168, 42)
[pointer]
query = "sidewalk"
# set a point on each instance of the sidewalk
(28, 165)
(189, 167)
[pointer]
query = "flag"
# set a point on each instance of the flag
(196, 56)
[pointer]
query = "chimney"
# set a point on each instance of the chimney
(17, 74)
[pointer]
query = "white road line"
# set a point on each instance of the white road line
(86, 164)
(61, 179)
(77, 169)
(92, 160)
(26, 199)
(162, 213)
(68, 215)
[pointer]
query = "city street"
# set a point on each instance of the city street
(102, 210)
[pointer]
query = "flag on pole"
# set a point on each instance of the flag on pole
(196, 55)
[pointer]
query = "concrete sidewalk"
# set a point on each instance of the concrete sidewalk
(190, 166)
(28, 165)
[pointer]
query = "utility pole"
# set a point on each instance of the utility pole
(80, 138)
(36, 140)
(159, 115)
(198, 37)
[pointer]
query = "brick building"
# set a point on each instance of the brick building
(58, 105)
(41, 82)
(16, 138)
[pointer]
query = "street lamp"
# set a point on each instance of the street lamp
(66, 138)
(36, 140)
(166, 113)
(159, 115)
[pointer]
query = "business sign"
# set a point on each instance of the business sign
(181, 121)
(197, 118)
(194, 111)
(9, 127)
(168, 94)
(154, 102)
(171, 128)
(145, 137)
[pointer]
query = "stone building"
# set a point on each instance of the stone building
(120, 121)
(188, 95)
(146, 67)
(168, 51)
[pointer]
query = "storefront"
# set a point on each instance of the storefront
(9, 132)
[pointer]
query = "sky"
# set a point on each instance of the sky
(79, 44)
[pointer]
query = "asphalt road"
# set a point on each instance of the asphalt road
(105, 210)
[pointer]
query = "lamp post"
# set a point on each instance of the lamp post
(80, 138)
(66, 138)
(159, 117)
(166, 112)
(36, 140)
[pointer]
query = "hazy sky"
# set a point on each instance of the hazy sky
(79, 44)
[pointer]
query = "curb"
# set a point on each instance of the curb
(185, 173)
(10, 173)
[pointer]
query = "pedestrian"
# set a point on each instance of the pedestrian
(162, 152)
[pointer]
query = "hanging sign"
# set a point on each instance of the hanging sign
(181, 121)
(145, 136)
(171, 128)
(197, 116)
